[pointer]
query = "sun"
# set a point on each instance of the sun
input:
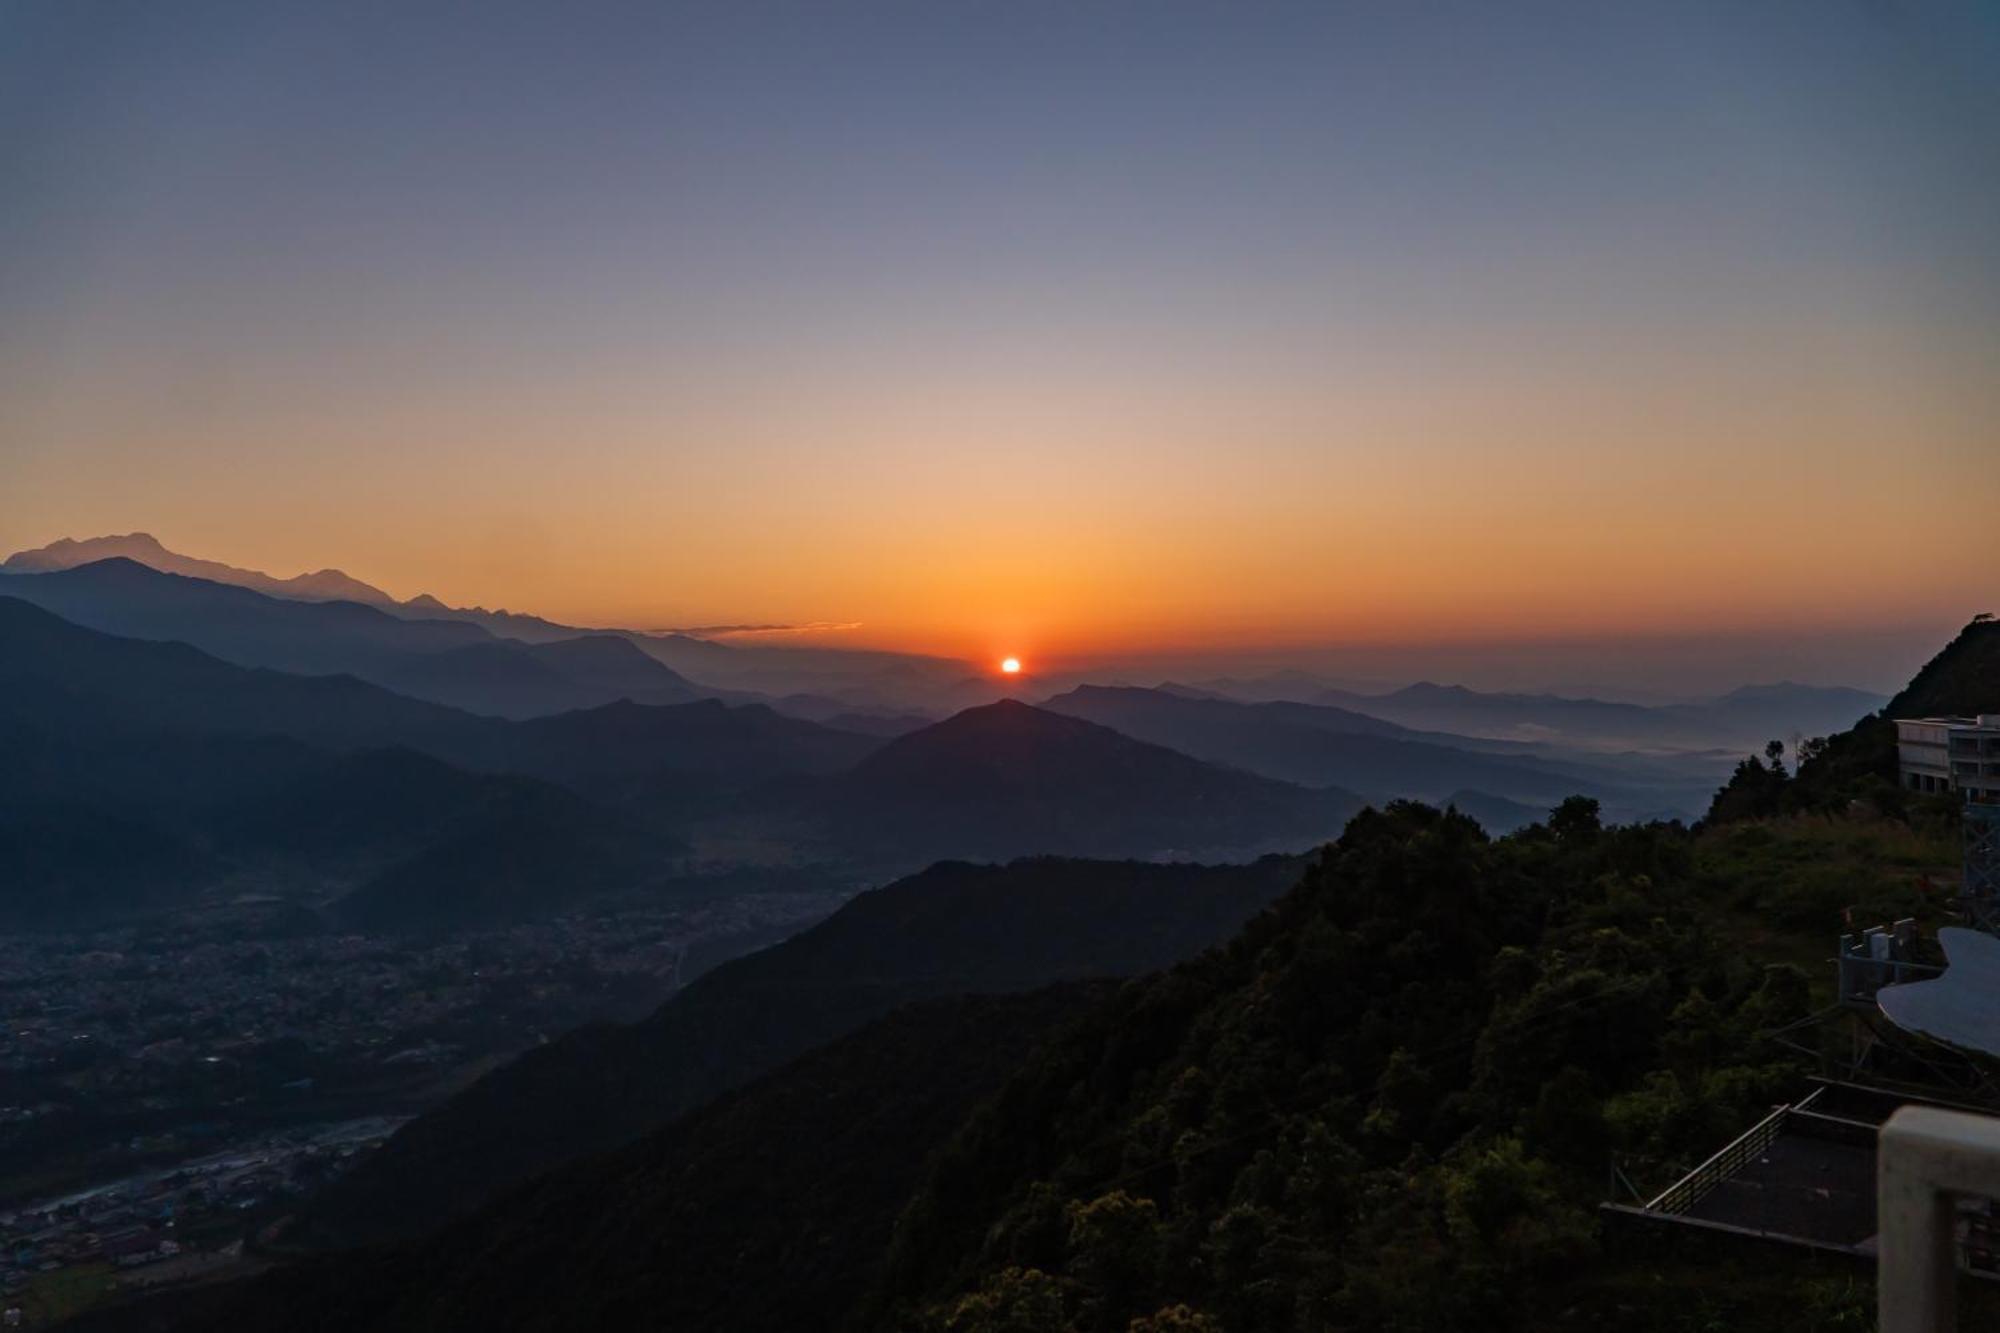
(1010, 666)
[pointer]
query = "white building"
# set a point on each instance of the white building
(1937, 754)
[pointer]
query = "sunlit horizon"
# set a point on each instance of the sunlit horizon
(981, 333)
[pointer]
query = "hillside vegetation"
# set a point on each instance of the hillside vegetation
(954, 929)
(1859, 764)
(1390, 1102)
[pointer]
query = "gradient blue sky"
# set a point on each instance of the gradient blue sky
(1057, 328)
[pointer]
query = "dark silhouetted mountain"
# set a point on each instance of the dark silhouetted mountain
(327, 585)
(1289, 686)
(953, 929)
(616, 665)
(58, 674)
(853, 679)
(90, 694)
(1962, 680)
(535, 850)
(353, 805)
(1496, 814)
(428, 845)
(163, 750)
(750, 671)
(503, 678)
(846, 716)
(634, 753)
(887, 726)
(1429, 705)
(770, 1208)
(1321, 746)
(1745, 717)
(441, 661)
(67, 864)
(1787, 696)
(1009, 779)
(493, 679)
(128, 599)
(500, 624)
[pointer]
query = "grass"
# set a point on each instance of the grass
(1801, 879)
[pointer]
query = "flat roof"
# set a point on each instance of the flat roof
(1960, 1008)
(1802, 1185)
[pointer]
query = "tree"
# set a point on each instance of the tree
(1015, 1300)
(1114, 1243)
(1576, 820)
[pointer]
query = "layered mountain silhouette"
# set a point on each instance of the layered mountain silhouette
(425, 845)
(952, 929)
(124, 597)
(141, 772)
(506, 664)
(171, 743)
(326, 585)
(445, 661)
(1318, 745)
(519, 680)
(1744, 717)
(1008, 778)
(864, 681)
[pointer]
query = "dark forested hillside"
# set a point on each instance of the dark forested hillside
(952, 929)
(770, 1208)
(1963, 679)
(1389, 1102)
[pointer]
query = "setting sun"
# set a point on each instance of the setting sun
(1010, 666)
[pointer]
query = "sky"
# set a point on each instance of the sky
(1053, 329)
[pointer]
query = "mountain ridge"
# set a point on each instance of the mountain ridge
(325, 585)
(953, 928)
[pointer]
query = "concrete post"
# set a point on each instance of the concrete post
(1925, 1159)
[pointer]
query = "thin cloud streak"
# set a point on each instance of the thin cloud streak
(737, 631)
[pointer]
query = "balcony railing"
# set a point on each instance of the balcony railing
(1686, 1192)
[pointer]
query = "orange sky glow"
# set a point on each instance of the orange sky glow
(981, 334)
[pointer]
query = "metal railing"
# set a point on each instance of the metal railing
(1926, 1160)
(1686, 1192)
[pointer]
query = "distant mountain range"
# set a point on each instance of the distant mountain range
(1007, 778)
(1741, 720)
(328, 585)
(139, 774)
(877, 692)
(445, 661)
(862, 682)
(150, 771)
(1320, 745)
(150, 714)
